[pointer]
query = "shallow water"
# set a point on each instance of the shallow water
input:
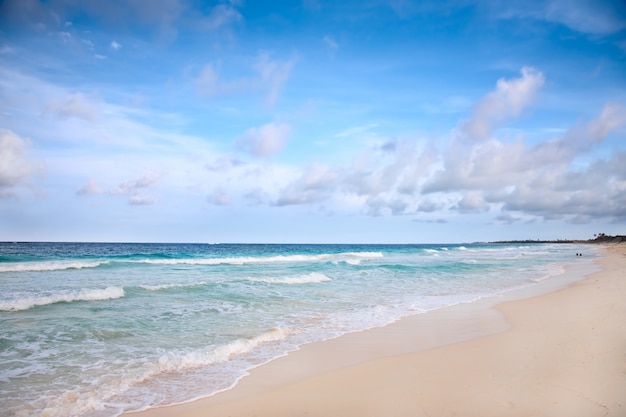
(98, 329)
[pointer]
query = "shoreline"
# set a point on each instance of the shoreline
(294, 384)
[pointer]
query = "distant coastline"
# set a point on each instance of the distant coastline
(600, 238)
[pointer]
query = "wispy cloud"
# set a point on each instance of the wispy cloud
(220, 197)
(163, 17)
(134, 189)
(351, 131)
(332, 44)
(274, 75)
(592, 17)
(269, 76)
(266, 140)
(74, 106)
(219, 16)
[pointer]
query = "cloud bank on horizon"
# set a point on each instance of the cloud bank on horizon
(377, 121)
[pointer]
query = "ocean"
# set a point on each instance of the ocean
(96, 329)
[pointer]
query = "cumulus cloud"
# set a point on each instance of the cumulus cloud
(429, 206)
(495, 164)
(509, 99)
(477, 172)
(264, 141)
(382, 180)
(472, 202)
(599, 191)
(15, 165)
(316, 184)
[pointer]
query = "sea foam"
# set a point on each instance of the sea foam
(48, 266)
(312, 278)
(172, 361)
(168, 286)
(26, 303)
(86, 400)
(348, 257)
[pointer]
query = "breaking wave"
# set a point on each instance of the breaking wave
(312, 278)
(349, 257)
(26, 303)
(48, 266)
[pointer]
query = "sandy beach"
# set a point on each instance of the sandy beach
(557, 354)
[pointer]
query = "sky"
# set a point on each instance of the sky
(313, 121)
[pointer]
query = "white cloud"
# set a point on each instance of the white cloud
(539, 180)
(141, 200)
(90, 188)
(15, 165)
(317, 183)
(496, 164)
(115, 45)
(266, 140)
(135, 189)
(599, 191)
(274, 75)
(509, 99)
(74, 106)
(472, 202)
(132, 187)
(269, 76)
(384, 179)
(579, 139)
(220, 15)
(220, 197)
(586, 16)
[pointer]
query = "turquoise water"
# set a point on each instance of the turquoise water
(98, 329)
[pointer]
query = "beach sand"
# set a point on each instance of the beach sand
(558, 354)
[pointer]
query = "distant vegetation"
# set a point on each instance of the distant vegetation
(597, 238)
(602, 238)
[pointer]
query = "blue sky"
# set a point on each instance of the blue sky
(383, 121)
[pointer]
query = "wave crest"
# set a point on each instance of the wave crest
(312, 278)
(27, 303)
(159, 287)
(172, 362)
(348, 257)
(48, 266)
